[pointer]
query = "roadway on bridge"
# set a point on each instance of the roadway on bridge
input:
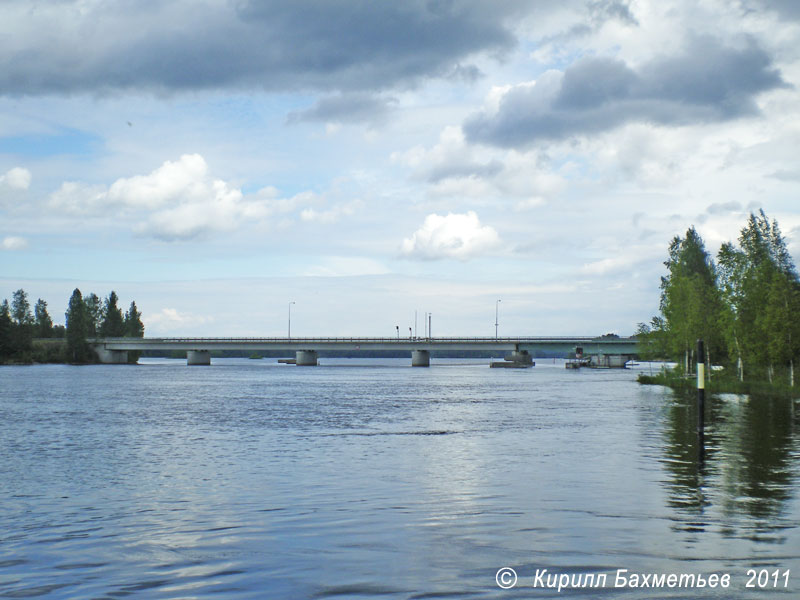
(565, 343)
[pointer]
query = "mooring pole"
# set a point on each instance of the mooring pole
(701, 400)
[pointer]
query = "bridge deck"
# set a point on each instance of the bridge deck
(590, 343)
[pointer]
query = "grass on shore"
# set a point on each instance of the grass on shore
(720, 383)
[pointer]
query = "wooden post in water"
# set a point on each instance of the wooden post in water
(701, 400)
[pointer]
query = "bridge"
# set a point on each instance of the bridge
(517, 349)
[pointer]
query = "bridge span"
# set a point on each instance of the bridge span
(517, 349)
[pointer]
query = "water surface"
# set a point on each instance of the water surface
(369, 479)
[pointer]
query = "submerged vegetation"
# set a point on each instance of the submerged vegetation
(721, 382)
(27, 337)
(744, 306)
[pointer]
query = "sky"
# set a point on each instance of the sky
(217, 161)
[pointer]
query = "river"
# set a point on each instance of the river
(366, 478)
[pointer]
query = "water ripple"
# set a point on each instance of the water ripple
(248, 482)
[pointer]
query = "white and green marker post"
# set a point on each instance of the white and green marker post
(701, 400)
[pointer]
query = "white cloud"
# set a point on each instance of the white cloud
(169, 320)
(186, 201)
(14, 186)
(529, 203)
(459, 236)
(565, 205)
(215, 207)
(463, 188)
(450, 158)
(346, 266)
(13, 242)
(183, 181)
(333, 214)
(607, 265)
(76, 198)
(17, 178)
(180, 200)
(453, 168)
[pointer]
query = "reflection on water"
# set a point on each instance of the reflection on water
(749, 477)
(682, 458)
(756, 441)
(370, 479)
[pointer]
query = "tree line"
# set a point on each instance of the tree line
(744, 305)
(27, 336)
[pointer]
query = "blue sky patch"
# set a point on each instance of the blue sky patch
(67, 141)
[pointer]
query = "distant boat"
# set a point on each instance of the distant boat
(577, 363)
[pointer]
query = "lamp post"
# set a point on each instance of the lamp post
(398, 332)
(496, 314)
(290, 319)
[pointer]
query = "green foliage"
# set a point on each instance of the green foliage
(781, 324)
(22, 325)
(724, 382)
(26, 338)
(759, 283)
(133, 328)
(745, 307)
(6, 342)
(77, 329)
(133, 322)
(16, 329)
(113, 324)
(94, 311)
(43, 324)
(690, 301)
(21, 308)
(652, 339)
(50, 350)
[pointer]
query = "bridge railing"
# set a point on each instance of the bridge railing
(382, 340)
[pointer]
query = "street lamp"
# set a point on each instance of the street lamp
(290, 319)
(496, 313)
(398, 331)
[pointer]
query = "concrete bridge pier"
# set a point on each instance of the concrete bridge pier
(306, 358)
(111, 357)
(198, 357)
(520, 356)
(420, 358)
